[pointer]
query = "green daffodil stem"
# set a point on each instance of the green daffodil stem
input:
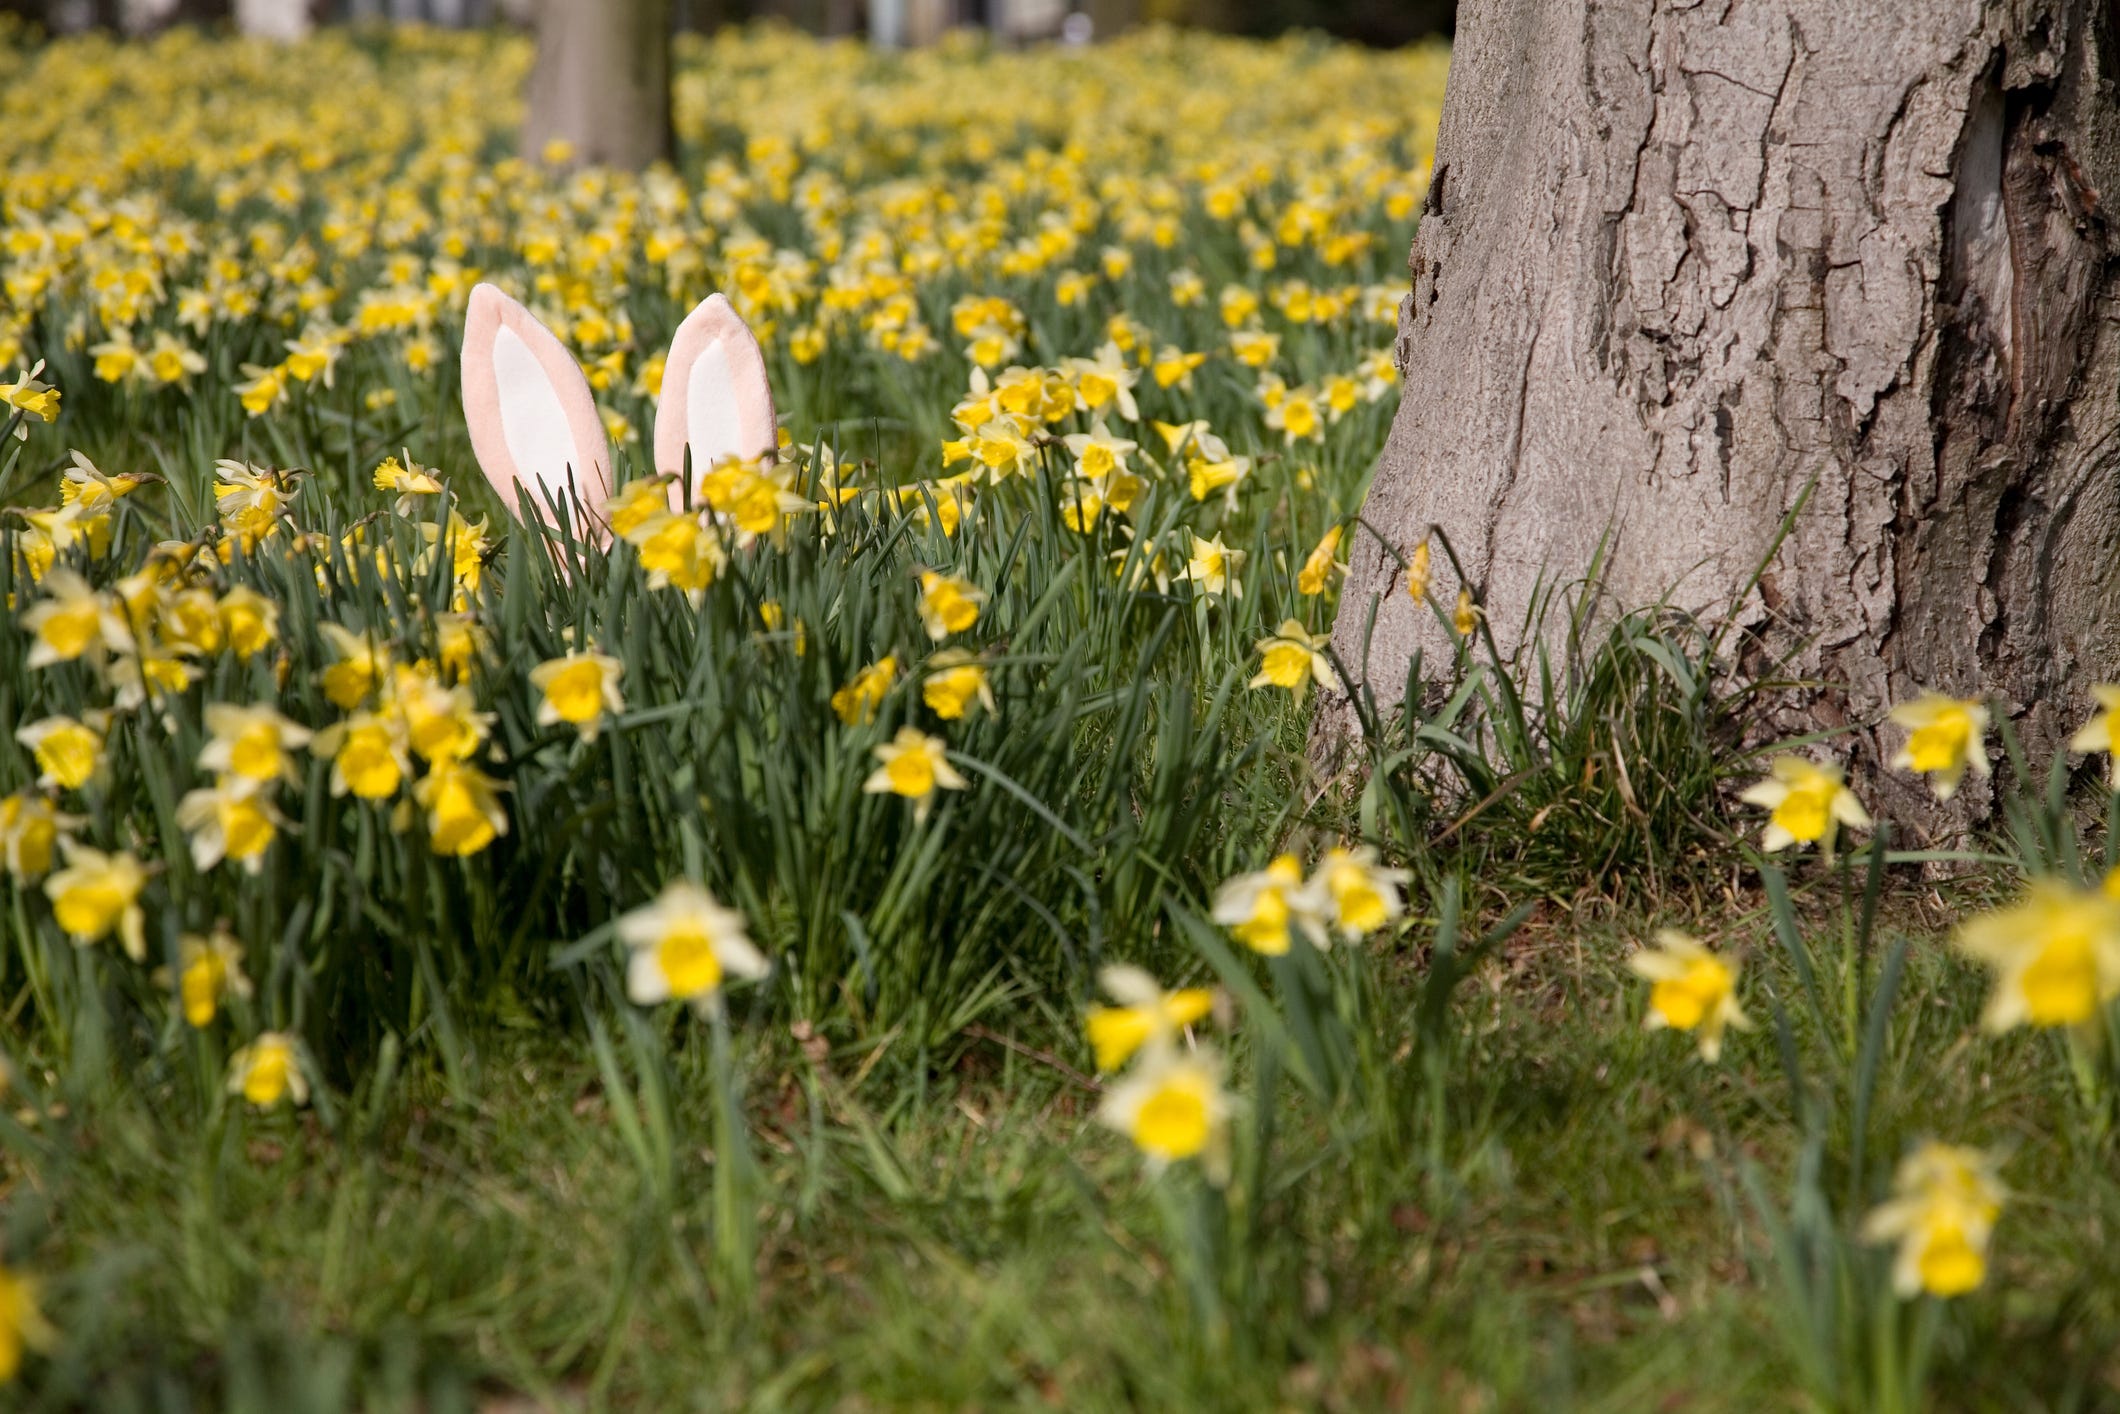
(735, 1188)
(1195, 1218)
(2089, 1060)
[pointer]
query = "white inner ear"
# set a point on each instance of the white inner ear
(711, 423)
(534, 424)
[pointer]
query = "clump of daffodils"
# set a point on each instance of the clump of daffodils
(1691, 989)
(1350, 892)
(1945, 1199)
(249, 756)
(1171, 1104)
(685, 946)
(1807, 802)
(2054, 954)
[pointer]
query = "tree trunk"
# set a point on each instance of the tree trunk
(1681, 261)
(601, 85)
(284, 20)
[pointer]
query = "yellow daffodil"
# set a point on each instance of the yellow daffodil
(249, 621)
(263, 387)
(684, 946)
(368, 752)
(1465, 618)
(2099, 733)
(1097, 453)
(679, 552)
(1319, 567)
(757, 498)
(1135, 568)
(1080, 506)
(1945, 737)
(1262, 910)
(469, 544)
(953, 680)
(1254, 348)
(22, 1324)
(252, 743)
(71, 620)
(1145, 1013)
(948, 604)
(86, 485)
(250, 499)
(457, 642)
(2055, 955)
(1293, 658)
(1173, 367)
(27, 397)
(361, 667)
(1364, 894)
(1297, 417)
(463, 806)
(1809, 802)
(409, 480)
(1204, 477)
(578, 690)
(98, 894)
(267, 1071)
(1177, 436)
(1107, 378)
(231, 819)
(1418, 573)
(209, 969)
(170, 360)
(68, 751)
(191, 622)
(147, 668)
(636, 504)
(1212, 568)
(1691, 989)
(30, 830)
(442, 723)
(1945, 1199)
(913, 764)
(856, 703)
(1173, 1107)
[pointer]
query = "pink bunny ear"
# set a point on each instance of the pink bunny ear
(714, 393)
(532, 418)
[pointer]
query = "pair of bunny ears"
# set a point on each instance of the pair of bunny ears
(534, 425)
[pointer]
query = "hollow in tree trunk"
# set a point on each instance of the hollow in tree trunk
(1682, 261)
(601, 86)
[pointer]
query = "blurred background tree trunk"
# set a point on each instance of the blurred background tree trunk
(1679, 264)
(601, 84)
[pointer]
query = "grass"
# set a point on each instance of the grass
(952, 1235)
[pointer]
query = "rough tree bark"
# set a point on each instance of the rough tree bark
(601, 84)
(1682, 258)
